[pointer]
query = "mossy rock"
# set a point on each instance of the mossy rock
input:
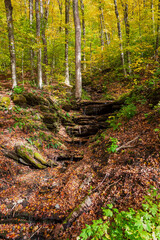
(40, 158)
(28, 156)
(50, 118)
(34, 100)
(44, 108)
(19, 100)
(5, 101)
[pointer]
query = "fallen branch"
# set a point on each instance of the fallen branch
(112, 184)
(35, 232)
(127, 145)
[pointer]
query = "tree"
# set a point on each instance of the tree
(31, 23)
(67, 7)
(127, 29)
(158, 30)
(84, 35)
(77, 24)
(120, 37)
(39, 57)
(44, 18)
(9, 8)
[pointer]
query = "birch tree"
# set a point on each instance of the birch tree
(78, 85)
(39, 57)
(31, 24)
(158, 30)
(67, 7)
(9, 8)
(83, 35)
(127, 29)
(44, 18)
(120, 37)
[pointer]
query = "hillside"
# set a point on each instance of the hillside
(90, 154)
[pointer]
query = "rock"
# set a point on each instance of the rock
(5, 101)
(57, 206)
(41, 159)
(51, 121)
(82, 131)
(100, 109)
(19, 100)
(28, 156)
(34, 100)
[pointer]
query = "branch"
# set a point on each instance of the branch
(126, 145)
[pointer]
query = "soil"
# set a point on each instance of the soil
(35, 204)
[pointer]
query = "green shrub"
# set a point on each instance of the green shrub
(142, 224)
(18, 89)
(113, 147)
(127, 111)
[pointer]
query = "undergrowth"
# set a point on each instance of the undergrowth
(132, 224)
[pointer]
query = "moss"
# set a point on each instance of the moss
(5, 101)
(28, 156)
(40, 158)
(19, 99)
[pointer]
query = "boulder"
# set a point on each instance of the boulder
(28, 157)
(19, 99)
(5, 101)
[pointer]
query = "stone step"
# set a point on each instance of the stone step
(82, 131)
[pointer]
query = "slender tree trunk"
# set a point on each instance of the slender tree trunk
(8, 7)
(61, 12)
(120, 37)
(39, 57)
(101, 26)
(78, 87)
(67, 7)
(83, 35)
(127, 28)
(44, 19)
(105, 30)
(31, 23)
(158, 31)
(153, 19)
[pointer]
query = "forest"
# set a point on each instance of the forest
(80, 119)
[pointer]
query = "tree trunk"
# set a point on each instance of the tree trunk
(67, 7)
(101, 27)
(78, 87)
(127, 29)
(8, 7)
(120, 37)
(105, 30)
(39, 64)
(44, 19)
(158, 31)
(31, 23)
(153, 19)
(83, 36)
(61, 12)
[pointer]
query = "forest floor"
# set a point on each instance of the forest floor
(39, 204)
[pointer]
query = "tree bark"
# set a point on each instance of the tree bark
(39, 57)
(158, 31)
(78, 86)
(9, 8)
(67, 7)
(101, 27)
(127, 29)
(44, 19)
(83, 35)
(153, 19)
(61, 12)
(120, 37)
(31, 24)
